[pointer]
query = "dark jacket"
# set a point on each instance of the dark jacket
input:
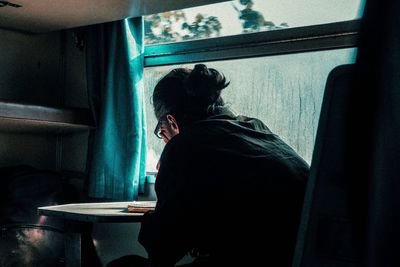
(228, 189)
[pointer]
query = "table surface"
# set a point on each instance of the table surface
(93, 212)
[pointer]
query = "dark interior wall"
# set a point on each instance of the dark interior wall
(74, 151)
(46, 69)
(30, 67)
(27, 149)
(75, 92)
(74, 146)
(49, 70)
(29, 73)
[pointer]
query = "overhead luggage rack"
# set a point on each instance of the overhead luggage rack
(23, 118)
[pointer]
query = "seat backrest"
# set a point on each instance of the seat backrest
(328, 234)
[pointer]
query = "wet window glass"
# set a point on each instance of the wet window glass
(284, 91)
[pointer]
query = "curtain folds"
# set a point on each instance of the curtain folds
(116, 95)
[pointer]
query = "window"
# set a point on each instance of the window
(284, 91)
(245, 16)
(277, 76)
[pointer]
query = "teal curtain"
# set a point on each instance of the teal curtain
(116, 94)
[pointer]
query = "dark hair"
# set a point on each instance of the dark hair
(189, 94)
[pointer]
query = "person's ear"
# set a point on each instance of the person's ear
(172, 122)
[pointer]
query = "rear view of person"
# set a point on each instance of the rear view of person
(229, 191)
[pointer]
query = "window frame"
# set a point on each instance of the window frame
(268, 43)
(328, 36)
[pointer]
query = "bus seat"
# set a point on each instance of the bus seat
(329, 234)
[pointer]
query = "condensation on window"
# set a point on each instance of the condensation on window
(285, 92)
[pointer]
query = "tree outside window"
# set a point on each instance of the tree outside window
(174, 26)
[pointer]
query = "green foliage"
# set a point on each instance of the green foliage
(254, 21)
(173, 26)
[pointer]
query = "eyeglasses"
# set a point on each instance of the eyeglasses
(157, 130)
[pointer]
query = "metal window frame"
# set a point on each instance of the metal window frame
(285, 41)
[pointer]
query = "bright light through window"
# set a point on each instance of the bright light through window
(284, 91)
(244, 16)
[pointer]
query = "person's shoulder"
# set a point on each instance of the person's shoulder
(222, 124)
(176, 146)
(173, 144)
(254, 123)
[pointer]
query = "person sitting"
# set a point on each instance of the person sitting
(229, 191)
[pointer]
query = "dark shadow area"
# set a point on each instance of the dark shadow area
(26, 238)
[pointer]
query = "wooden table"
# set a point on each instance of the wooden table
(79, 219)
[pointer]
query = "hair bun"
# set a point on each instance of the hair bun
(200, 69)
(197, 83)
(205, 83)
